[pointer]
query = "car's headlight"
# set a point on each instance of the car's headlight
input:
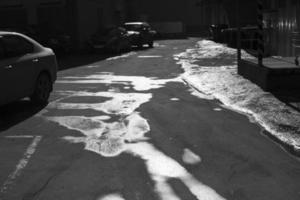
(133, 32)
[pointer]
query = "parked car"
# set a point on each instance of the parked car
(140, 33)
(113, 39)
(27, 69)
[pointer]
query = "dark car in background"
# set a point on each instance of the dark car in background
(140, 33)
(113, 40)
(27, 69)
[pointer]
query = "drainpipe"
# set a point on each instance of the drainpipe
(260, 42)
(31, 11)
(237, 4)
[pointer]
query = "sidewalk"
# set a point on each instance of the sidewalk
(276, 73)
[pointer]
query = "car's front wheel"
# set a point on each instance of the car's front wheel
(150, 43)
(42, 89)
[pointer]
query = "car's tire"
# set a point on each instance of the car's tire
(43, 87)
(150, 43)
(140, 45)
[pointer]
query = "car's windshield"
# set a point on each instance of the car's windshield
(133, 27)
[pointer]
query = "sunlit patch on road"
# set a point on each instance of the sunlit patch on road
(161, 167)
(111, 197)
(139, 83)
(158, 45)
(150, 56)
(174, 99)
(120, 103)
(122, 56)
(190, 157)
(217, 109)
(92, 66)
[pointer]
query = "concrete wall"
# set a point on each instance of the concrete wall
(93, 15)
(90, 18)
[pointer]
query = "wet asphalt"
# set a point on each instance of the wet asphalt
(236, 159)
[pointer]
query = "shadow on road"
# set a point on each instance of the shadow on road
(82, 59)
(16, 112)
(77, 60)
(290, 97)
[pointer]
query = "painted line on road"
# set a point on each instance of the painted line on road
(22, 164)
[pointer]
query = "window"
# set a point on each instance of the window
(15, 46)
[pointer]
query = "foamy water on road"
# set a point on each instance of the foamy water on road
(223, 83)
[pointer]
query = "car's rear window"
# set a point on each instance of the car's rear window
(15, 45)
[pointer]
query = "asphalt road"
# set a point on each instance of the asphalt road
(129, 128)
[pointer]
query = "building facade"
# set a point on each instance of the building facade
(77, 18)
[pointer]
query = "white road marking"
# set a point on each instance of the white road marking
(22, 164)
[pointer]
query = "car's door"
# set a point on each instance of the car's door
(3, 74)
(17, 67)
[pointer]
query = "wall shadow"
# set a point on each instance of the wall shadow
(16, 112)
(78, 60)
(289, 97)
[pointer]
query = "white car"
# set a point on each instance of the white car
(27, 69)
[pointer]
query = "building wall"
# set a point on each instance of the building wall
(156, 10)
(288, 26)
(78, 18)
(282, 23)
(93, 15)
(203, 13)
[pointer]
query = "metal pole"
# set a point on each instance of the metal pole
(260, 41)
(238, 30)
